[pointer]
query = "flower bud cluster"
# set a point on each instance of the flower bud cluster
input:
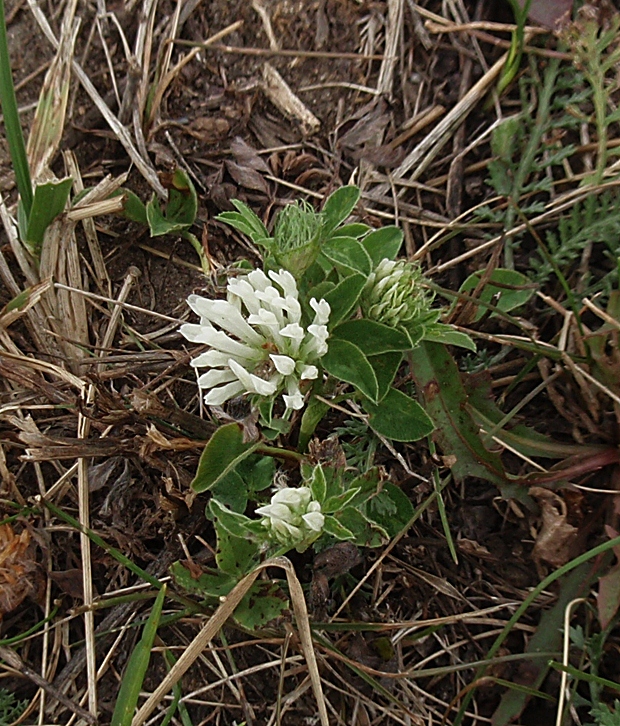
(292, 517)
(257, 343)
(394, 293)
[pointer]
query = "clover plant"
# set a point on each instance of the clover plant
(330, 318)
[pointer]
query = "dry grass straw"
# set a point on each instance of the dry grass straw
(217, 621)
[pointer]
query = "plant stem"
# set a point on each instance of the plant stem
(12, 125)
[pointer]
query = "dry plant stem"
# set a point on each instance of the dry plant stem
(424, 153)
(430, 499)
(13, 659)
(101, 274)
(217, 620)
(84, 512)
(564, 693)
(286, 53)
(119, 303)
(280, 94)
(143, 165)
(169, 76)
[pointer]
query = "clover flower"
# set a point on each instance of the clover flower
(394, 293)
(293, 518)
(260, 348)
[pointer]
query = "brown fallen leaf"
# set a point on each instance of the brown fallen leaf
(17, 568)
(556, 536)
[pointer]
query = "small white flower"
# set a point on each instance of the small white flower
(293, 517)
(258, 344)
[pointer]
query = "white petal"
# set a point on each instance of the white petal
(293, 308)
(322, 311)
(220, 341)
(192, 332)
(196, 303)
(283, 364)
(286, 282)
(276, 510)
(293, 496)
(252, 383)
(218, 396)
(242, 289)
(215, 377)
(210, 359)
(294, 402)
(264, 317)
(226, 315)
(309, 373)
(258, 279)
(294, 331)
(316, 347)
(314, 520)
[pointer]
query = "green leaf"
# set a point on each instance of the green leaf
(257, 472)
(371, 337)
(333, 527)
(546, 639)
(513, 288)
(391, 509)
(337, 208)
(383, 243)
(365, 532)
(233, 522)
(133, 207)
(49, 201)
(137, 665)
(355, 229)
(439, 382)
(345, 361)
(224, 450)
(335, 504)
(214, 583)
(232, 491)
(446, 334)
(181, 209)
(253, 222)
(263, 603)
(399, 417)
(343, 298)
(12, 125)
(318, 485)
(385, 367)
(367, 485)
(347, 254)
(235, 555)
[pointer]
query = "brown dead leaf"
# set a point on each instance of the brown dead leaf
(17, 568)
(247, 177)
(556, 536)
(208, 129)
(366, 128)
(246, 155)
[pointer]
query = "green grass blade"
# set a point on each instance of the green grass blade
(12, 126)
(520, 611)
(137, 666)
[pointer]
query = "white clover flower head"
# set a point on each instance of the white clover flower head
(394, 293)
(258, 345)
(293, 518)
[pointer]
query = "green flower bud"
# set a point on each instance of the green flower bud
(395, 295)
(296, 237)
